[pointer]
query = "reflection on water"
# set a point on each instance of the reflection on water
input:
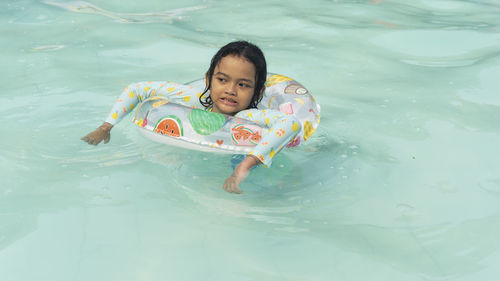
(47, 48)
(86, 7)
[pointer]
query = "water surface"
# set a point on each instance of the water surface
(400, 182)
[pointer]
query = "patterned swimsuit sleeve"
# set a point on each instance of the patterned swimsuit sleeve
(137, 92)
(283, 128)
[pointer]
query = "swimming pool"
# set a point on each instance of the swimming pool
(400, 182)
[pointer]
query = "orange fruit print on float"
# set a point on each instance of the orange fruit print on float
(170, 126)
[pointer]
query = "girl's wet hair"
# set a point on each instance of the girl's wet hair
(246, 50)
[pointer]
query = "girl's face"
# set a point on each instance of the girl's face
(233, 85)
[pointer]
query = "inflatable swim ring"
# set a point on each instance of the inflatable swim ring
(192, 128)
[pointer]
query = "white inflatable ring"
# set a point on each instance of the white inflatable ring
(178, 125)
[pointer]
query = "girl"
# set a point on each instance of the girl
(234, 86)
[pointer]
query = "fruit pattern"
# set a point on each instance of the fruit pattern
(245, 135)
(170, 126)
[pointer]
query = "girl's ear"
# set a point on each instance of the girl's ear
(206, 79)
(261, 94)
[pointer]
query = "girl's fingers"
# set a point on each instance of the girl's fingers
(96, 137)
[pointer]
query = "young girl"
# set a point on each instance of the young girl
(234, 86)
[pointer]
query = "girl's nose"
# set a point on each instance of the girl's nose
(231, 89)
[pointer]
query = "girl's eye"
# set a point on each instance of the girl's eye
(221, 79)
(244, 85)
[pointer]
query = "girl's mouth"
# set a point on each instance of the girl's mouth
(228, 101)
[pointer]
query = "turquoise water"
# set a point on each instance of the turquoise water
(400, 182)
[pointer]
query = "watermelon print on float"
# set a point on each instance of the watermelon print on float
(206, 122)
(247, 135)
(169, 125)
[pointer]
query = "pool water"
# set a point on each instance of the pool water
(401, 181)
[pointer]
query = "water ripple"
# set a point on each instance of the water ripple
(88, 8)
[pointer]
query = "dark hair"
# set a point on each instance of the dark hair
(248, 51)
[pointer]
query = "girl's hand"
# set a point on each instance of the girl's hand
(101, 133)
(232, 183)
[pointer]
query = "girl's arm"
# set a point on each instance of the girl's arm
(283, 128)
(240, 173)
(130, 97)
